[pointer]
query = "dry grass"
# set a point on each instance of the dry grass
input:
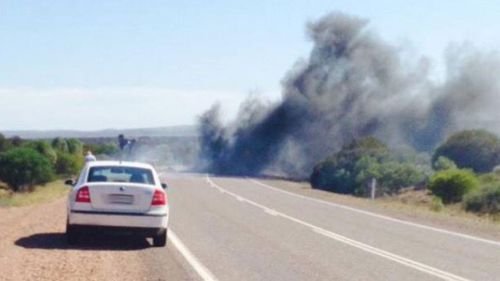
(42, 193)
(422, 201)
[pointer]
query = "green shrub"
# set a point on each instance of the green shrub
(396, 175)
(442, 163)
(488, 178)
(68, 164)
(60, 144)
(452, 185)
(365, 169)
(355, 165)
(409, 155)
(484, 200)
(4, 143)
(43, 148)
(391, 176)
(475, 149)
(328, 176)
(337, 173)
(75, 146)
(24, 167)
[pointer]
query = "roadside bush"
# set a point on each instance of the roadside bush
(60, 144)
(4, 143)
(442, 163)
(75, 146)
(68, 164)
(337, 173)
(485, 200)
(395, 175)
(352, 169)
(365, 169)
(489, 178)
(409, 155)
(475, 149)
(391, 176)
(43, 148)
(329, 176)
(24, 167)
(452, 185)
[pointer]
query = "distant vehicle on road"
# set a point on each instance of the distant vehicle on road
(118, 197)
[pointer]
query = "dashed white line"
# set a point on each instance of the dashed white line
(449, 232)
(202, 271)
(367, 248)
(271, 212)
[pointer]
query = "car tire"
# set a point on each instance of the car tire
(160, 240)
(71, 235)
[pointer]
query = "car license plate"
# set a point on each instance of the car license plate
(121, 199)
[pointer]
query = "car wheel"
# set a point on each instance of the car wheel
(71, 235)
(160, 240)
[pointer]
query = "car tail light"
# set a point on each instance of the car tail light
(159, 198)
(83, 195)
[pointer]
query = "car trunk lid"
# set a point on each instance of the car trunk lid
(121, 197)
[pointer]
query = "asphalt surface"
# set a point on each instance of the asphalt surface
(241, 230)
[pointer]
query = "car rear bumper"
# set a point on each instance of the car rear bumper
(141, 231)
(117, 220)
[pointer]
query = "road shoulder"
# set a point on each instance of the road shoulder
(33, 247)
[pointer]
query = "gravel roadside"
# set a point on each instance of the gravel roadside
(33, 247)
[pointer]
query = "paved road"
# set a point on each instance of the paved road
(241, 230)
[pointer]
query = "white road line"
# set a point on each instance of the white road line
(367, 248)
(202, 271)
(404, 261)
(449, 232)
(271, 212)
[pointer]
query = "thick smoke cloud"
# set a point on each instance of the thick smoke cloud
(352, 85)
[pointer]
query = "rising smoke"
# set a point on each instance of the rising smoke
(352, 85)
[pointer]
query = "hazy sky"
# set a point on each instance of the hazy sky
(92, 64)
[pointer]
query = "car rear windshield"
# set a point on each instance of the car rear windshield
(121, 174)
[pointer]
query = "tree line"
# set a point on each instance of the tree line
(26, 163)
(460, 170)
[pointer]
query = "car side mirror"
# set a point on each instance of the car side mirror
(164, 185)
(69, 182)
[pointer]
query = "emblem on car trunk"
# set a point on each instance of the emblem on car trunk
(122, 188)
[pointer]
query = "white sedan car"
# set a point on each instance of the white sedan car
(118, 197)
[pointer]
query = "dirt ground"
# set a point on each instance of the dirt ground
(33, 247)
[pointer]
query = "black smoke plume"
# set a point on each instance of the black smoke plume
(352, 85)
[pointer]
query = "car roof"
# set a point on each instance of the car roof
(119, 164)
